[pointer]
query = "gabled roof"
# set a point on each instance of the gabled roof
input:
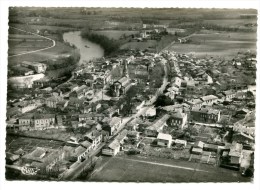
(164, 136)
(208, 97)
(114, 144)
(159, 123)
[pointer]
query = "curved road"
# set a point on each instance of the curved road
(53, 42)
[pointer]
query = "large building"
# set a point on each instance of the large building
(205, 115)
(122, 85)
(37, 67)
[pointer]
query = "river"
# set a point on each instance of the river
(88, 50)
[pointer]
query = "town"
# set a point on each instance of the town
(136, 107)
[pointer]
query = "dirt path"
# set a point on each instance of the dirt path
(53, 42)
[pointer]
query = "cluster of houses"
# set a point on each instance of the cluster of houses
(73, 105)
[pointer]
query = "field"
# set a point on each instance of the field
(212, 43)
(134, 168)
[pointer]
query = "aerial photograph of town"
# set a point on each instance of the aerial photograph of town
(131, 94)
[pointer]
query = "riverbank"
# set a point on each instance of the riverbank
(108, 44)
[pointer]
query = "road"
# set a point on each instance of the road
(34, 51)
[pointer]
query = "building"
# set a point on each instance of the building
(26, 120)
(157, 126)
(27, 106)
(209, 99)
(44, 82)
(94, 137)
(36, 66)
(164, 140)
(112, 148)
(43, 160)
(195, 103)
(235, 153)
(91, 116)
(43, 121)
(111, 125)
(229, 94)
(205, 115)
(79, 92)
(178, 119)
(52, 102)
(121, 86)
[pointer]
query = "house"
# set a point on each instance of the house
(198, 144)
(150, 112)
(197, 151)
(40, 83)
(235, 153)
(164, 140)
(178, 119)
(210, 147)
(194, 103)
(27, 106)
(209, 99)
(42, 159)
(111, 125)
(205, 115)
(25, 120)
(91, 116)
(79, 154)
(229, 94)
(94, 137)
(242, 137)
(79, 92)
(43, 121)
(122, 136)
(179, 142)
(52, 102)
(112, 148)
(157, 126)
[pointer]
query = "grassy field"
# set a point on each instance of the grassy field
(212, 43)
(44, 55)
(134, 168)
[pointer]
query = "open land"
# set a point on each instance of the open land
(213, 43)
(141, 169)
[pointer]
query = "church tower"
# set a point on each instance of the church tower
(125, 69)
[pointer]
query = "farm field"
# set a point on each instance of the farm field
(141, 169)
(213, 43)
(44, 55)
